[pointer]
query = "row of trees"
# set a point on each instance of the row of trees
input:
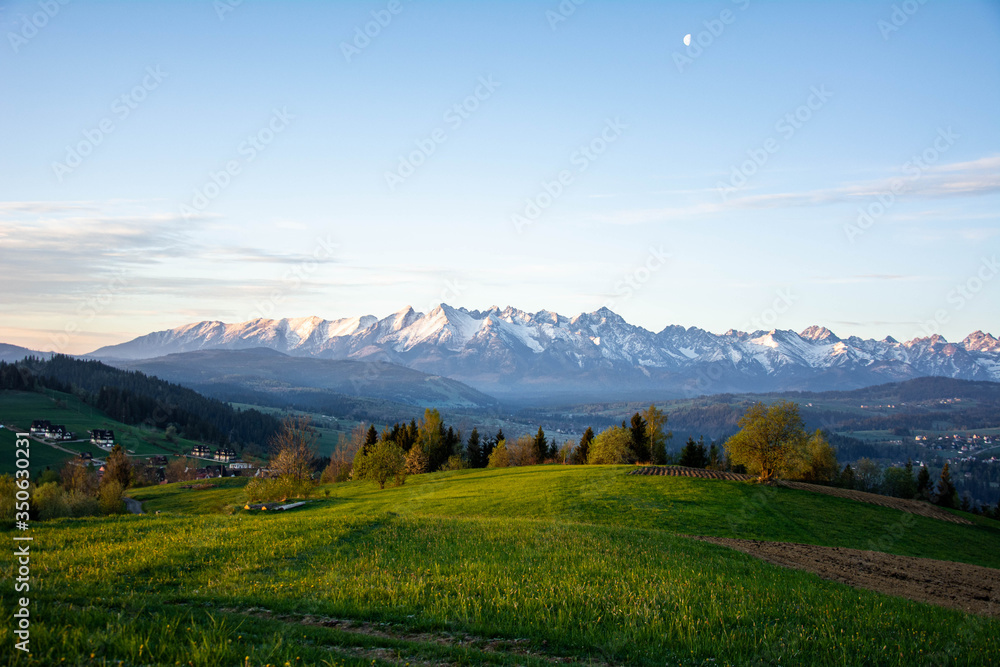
(906, 482)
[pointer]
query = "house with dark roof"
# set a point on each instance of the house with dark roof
(224, 454)
(202, 451)
(102, 437)
(39, 427)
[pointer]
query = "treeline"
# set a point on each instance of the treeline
(906, 482)
(430, 445)
(134, 398)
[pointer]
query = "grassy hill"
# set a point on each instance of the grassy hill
(19, 408)
(519, 566)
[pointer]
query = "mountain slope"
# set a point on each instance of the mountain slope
(11, 353)
(270, 372)
(516, 354)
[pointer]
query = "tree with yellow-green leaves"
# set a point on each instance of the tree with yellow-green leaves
(770, 440)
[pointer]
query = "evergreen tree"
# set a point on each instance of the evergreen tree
(846, 479)
(714, 457)
(474, 450)
(431, 438)
(693, 455)
(923, 483)
(452, 443)
(371, 437)
(947, 495)
(540, 448)
(489, 444)
(640, 440)
(582, 451)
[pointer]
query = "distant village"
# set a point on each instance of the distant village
(967, 445)
(224, 460)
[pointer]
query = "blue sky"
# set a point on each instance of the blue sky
(662, 213)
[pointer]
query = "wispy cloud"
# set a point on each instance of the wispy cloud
(959, 179)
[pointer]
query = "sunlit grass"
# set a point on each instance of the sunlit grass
(573, 562)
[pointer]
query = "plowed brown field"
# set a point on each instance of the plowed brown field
(969, 588)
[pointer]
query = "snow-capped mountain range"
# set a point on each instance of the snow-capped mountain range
(511, 353)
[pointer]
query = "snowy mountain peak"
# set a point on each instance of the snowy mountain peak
(981, 342)
(818, 333)
(510, 350)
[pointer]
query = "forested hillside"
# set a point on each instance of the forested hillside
(135, 398)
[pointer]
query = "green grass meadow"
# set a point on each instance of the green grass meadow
(524, 566)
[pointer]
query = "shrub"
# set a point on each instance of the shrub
(416, 460)
(817, 461)
(499, 457)
(109, 498)
(611, 446)
(523, 452)
(7, 490)
(255, 489)
(50, 501)
(455, 462)
(385, 462)
(82, 504)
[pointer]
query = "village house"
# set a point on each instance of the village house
(201, 451)
(58, 432)
(39, 427)
(224, 454)
(102, 437)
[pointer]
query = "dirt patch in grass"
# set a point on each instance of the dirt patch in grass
(969, 588)
(917, 507)
(522, 648)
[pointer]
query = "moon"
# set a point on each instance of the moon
(687, 39)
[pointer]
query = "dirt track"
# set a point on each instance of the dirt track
(912, 506)
(969, 588)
